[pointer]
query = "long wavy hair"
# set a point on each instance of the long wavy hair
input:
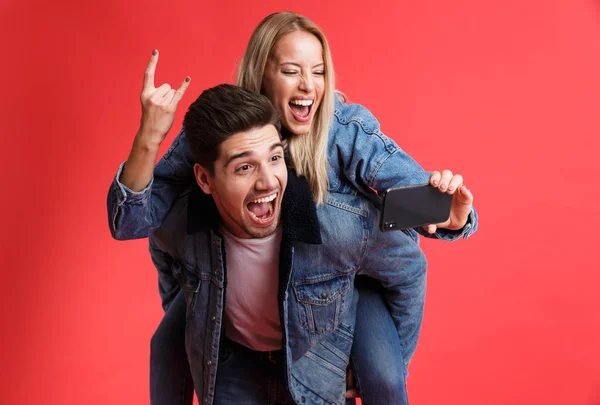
(308, 152)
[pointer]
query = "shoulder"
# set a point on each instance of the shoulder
(354, 124)
(347, 114)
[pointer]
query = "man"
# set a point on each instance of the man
(256, 330)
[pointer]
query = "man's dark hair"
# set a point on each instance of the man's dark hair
(219, 113)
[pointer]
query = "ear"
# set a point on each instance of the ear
(203, 178)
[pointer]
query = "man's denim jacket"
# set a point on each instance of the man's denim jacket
(361, 159)
(322, 250)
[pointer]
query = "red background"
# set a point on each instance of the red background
(506, 93)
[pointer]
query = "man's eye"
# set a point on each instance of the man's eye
(243, 168)
(275, 158)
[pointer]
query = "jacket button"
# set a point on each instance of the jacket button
(209, 362)
(324, 294)
(303, 399)
(214, 318)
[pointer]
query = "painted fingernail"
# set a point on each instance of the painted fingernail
(187, 79)
(154, 52)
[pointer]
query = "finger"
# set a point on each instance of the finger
(455, 183)
(430, 229)
(466, 197)
(352, 393)
(181, 91)
(150, 69)
(434, 178)
(162, 90)
(445, 180)
(167, 99)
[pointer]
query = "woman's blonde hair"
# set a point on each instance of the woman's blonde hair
(308, 152)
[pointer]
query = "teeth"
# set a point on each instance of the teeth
(304, 103)
(265, 199)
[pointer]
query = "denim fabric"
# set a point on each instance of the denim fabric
(316, 299)
(376, 354)
(247, 377)
(170, 378)
(361, 158)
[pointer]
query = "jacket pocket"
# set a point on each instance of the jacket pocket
(320, 300)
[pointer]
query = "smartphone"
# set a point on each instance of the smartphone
(414, 206)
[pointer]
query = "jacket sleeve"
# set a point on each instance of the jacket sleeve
(369, 160)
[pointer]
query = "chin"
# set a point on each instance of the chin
(299, 129)
(262, 232)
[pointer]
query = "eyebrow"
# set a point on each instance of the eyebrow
(249, 153)
(298, 65)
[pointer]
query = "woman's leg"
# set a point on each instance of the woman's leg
(170, 377)
(376, 353)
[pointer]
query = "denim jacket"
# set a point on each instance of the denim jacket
(361, 159)
(322, 250)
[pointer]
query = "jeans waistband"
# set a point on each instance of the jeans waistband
(274, 358)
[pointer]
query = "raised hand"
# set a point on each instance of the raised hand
(158, 112)
(462, 200)
(158, 105)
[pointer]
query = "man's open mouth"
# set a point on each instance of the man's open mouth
(262, 209)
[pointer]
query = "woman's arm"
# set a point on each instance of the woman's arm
(142, 193)
(366, 159)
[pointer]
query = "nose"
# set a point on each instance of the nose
(307, 83)
(266, 179)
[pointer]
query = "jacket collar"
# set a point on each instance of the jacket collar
(299, 218)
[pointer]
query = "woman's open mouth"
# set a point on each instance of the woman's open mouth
(301, 109)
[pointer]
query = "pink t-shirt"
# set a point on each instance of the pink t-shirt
(251, 309)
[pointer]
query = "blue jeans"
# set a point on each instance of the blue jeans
(248, 377)
(376, 357)
(170, 377)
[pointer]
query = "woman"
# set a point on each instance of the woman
(339, 148)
